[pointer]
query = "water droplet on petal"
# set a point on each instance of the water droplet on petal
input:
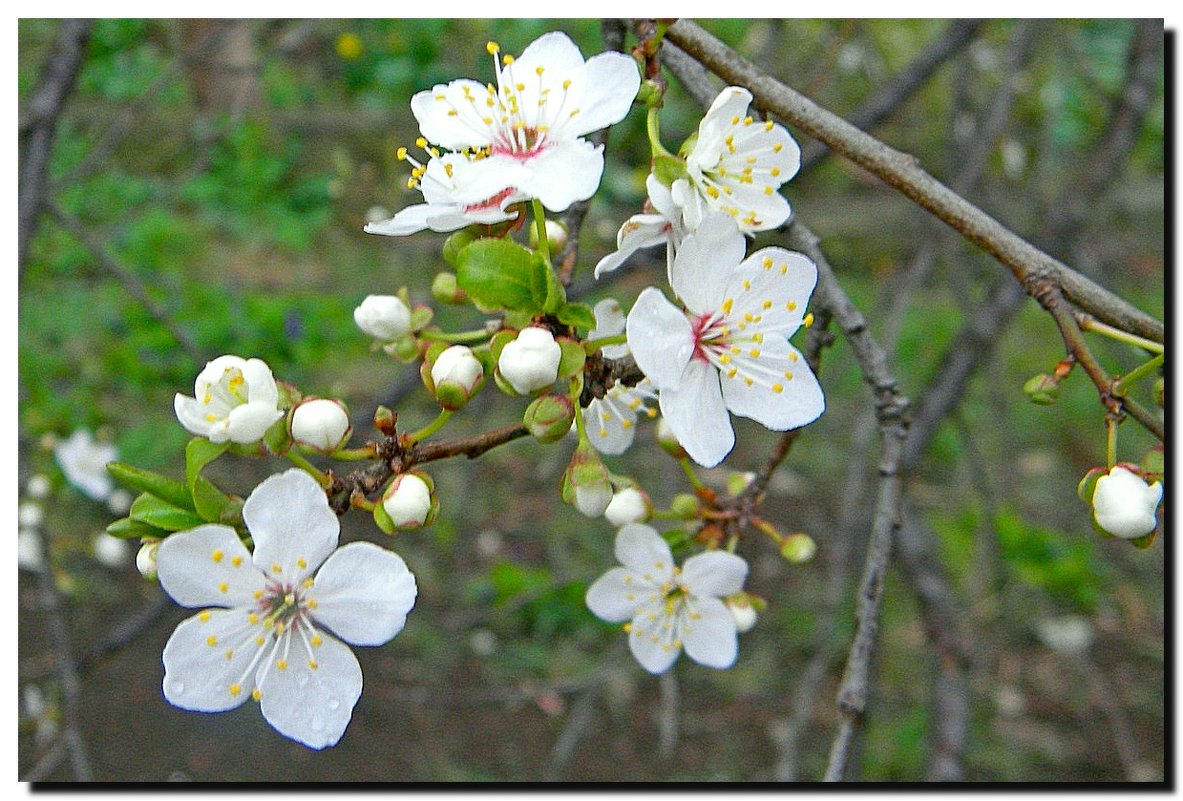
(176, 687)
(334, 703)
(318, 722)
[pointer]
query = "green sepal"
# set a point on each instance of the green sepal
(501, 273)
(573, 357)
(498, 341)
(421, 317)
(1144, 541)
(160, 514)
(669, 169)
(1088, 484)
(166, 489)
(504, 385)
(676, 538)
(289, 394)
(278, 438)
(456, 243)
(382, 520)
(577, 315)
(128, 529)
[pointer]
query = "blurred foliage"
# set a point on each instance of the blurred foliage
(246, 229)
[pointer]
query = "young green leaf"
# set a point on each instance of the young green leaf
(162, 487)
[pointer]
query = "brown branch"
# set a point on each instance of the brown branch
(903, 172)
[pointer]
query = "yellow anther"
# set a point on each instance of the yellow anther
(735, 120)
(448, 167)
(223, 587)
(808, 320)
(713, 192)
(204, 616)
(754, 353)
(281, 664)
(567, 84)
(603, 432)
(767, 262)
(747, 380)
(256, 693)
(421, 141)
(235, 688)
(252, 617)
(279, 627)
(747, 120)
(229, 654)
(538, 70)
(793, 357)
(768, 124)
(775, 171)
(791, 306)
(218, 555)
(236, 561)
(453, 113)
(311, 603)
(767, 304)
(626, 423)
(316, 640)
(308, 582)
(731, 373)
(768, 190)
(627, 627)
(651, 412)
(507, 59)
(519, 86)
(211, 641)
(211, 418)
(747, 284)
(778, 388)
(401, 154)
(724, 359)
(312, 664)
(258, 594)
(301, 563)
(750, 160)
(260, 640)
(758, 338)
(736, 350)
(492, 48)
(276, 568)
(788, 376)
(778, 147)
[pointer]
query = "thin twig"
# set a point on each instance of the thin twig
(1026, 262)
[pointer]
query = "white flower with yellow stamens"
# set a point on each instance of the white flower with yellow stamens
(611, 420)
(235, 400)
(84, 462)
(736, 165)
(269, 637)
(525, 133)
(668, 608)
(727, 349)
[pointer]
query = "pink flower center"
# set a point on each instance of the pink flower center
(709, 333)
(493, 202)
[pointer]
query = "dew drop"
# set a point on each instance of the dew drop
(318, 722)
(334, 703)
(176, 687)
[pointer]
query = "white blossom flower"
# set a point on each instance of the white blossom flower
(742, 612)
(728, 349)
(119, 501)
(235, 400)
(736, 166)
(531, 361)
(383, 317)
(1124, 505)
(628, 505)
(668, 608)
(611, 420)
(663, 226)
(457, 195)
(408, 500)
(30, 554)
(321, 423)
(38, 486)
(270, 639)
(84, 463)
(30, 514)
(524, 133)
(109, 551)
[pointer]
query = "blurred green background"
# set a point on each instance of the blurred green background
(236, 197)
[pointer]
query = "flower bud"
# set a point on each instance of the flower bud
(668, 442)
(30, 555)
(585, 482)
(445, 289)
(146, 559)
(738, 481)
(457, 376)
(384, 317)
(321, 424)
(409, 501)
(1042, 389)
(556, 235)
(684, 506)
(628, 505)
(38, 487)
(1124, 505)
(549, 417)
(742, 612)
(531, 362)
(798, 548)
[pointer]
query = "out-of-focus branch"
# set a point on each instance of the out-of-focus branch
(40, 125)
(1026, 262)
(894, 94)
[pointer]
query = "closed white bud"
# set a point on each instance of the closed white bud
(320, 423)
(1124, 505)
(628, 505)
(146, 559)
(531, 362)
(457, 375)
(408, 501)
(29, 553)
(593, 499)
(742, 612)
(384, 317)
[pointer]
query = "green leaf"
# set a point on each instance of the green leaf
(151, 510)
(572, 358)
(198, 453)
(152, 483)
(128, 529)
(209, 501)
(577, 315)
(501, 273)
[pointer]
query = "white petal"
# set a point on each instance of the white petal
(250, 421)
(466, 127)
(609, 319)
(608, 86)
(413, 219)
(651, 638)
(643, 551)
(696, 415)
(610, 426)
(563, 174)
(661, 198)
(613, 596)
(639, 231)
(191, 415)
(363, 593)
(289, 518)
(197, 674)
(553, 51)
(711, 639)
(454, 179)
(694, 207)
(714, 573)
(214, 370)
(776, 284)
(773, 399)
(660, 338)
(207, 566)
(312, 706)
(705, 262)
(260, 383)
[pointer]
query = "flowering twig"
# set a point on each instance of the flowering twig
(1026, 262)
